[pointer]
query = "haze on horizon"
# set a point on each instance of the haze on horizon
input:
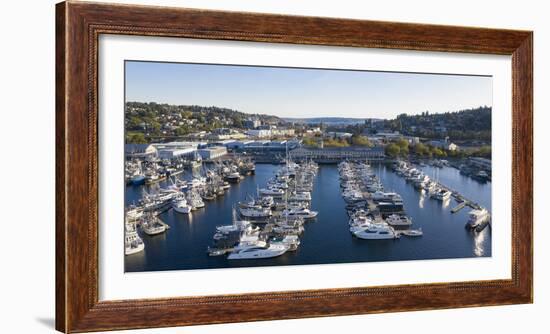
(304, 93)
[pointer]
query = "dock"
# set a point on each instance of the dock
(459, 207)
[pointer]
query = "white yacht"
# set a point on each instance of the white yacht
(292, 241)
(376, 232)
(300, 212)
(254, 211)
(478, 217)
(359, 223)
(398, 220)
(413, 233)
(257, 252)
(179, 204)
(273, 192)
(132, 242)
(441, 194)
(303, 196)
(381, 196)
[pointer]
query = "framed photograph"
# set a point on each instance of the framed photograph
(223, 166)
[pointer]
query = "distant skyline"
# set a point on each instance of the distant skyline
(304, 93)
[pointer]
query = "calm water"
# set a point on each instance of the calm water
(327, 239)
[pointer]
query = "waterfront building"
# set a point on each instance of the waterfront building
(337, 154)
(141, 151)
(174, 152)
(214, 152)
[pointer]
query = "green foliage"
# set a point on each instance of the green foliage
(421, 149)
(135, 138)
(484, 152)
(392, 150)
(438, 152)
(311, 142)
(334, 142)
(358, 140)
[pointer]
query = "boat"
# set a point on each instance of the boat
(137, 179)
(196, 182)
(292, 241)
(304, 196)
(413, 233)
(134, 213)
(477, 217)
(194, 199)
(390, 207)
(441, 194)
(254, 211)
(273, 192)
(376, 232)
(179, 204)
(132, 242)
(257, 252)
(381, 196)
(300, 212)
(398, 220)
(233, 177)
(151, 225)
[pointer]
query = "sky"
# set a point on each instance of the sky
(304, 93)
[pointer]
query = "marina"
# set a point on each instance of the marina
(274, 227)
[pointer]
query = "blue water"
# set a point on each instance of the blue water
(327, 239)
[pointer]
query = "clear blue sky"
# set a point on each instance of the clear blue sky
(290, 92)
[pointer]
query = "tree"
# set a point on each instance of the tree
(392, 150)
(421, 149)
(308, 141)
(135, 138)
(402, 143)
(439, 152)
(360, 141)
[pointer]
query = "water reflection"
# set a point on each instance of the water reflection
(479, 242)
(421, 200)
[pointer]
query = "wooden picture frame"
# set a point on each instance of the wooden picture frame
(78, 27)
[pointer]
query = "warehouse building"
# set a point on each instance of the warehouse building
(211, 153)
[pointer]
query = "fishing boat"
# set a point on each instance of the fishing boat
(134, 213)
(132, 242)
(179, 204)
(194, 199)
(151, 225)
(233, 177)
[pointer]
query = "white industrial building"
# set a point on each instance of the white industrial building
(213, 152)
(171, 153)
(142, 151)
